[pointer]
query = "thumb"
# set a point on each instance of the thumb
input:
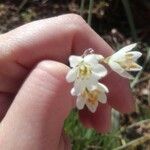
(36, 116)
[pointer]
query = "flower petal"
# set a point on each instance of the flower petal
(137, 68)
(74, 92)
(103, 88)
(99, 68)
(71, 75)
(128, 47)
(80, 102)
(79, 86)
(91, 84)
(75, 60)
(116, 67)
(122, 52)
(126, 75)
(102, 98)
(117, 56)
(135, 54)
(99, 57)
(92, 107)
(99, 71)
(91, 59)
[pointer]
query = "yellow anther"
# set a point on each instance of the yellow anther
(128, 63)
(84, 71)
(91, 96)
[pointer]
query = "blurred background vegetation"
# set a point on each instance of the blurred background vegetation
(119, 22)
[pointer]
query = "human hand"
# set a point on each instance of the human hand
(32, 81)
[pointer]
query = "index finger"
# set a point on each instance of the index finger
(54, 38)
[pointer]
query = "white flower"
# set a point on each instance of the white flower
(124, 60)
(86, 71)
(91, 98)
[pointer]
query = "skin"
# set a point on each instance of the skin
(34, 95)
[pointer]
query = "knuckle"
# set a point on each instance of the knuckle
(75, 18)
(45, 65)
(42, 64)
(75, 22)
(54, 68)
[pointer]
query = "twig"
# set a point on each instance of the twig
(23, 3)
(134, 143)
(90, 11)
(139, 123)
(82, 7)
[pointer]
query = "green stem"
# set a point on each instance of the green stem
(90, 11)
(130, 19)
(82, 7)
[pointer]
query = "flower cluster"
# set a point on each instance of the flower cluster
(88, 69)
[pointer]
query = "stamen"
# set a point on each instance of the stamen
(84, 71)
(128, 63)
(91, 96)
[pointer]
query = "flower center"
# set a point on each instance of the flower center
(128, 63)
(84, 71)
(91, 96)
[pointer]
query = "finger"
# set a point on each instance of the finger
(9, 85)
(56, 39)
(100, 120)
(11, 75)
(53, 38)
(39, 109)
(119, 96)
(65, 142)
